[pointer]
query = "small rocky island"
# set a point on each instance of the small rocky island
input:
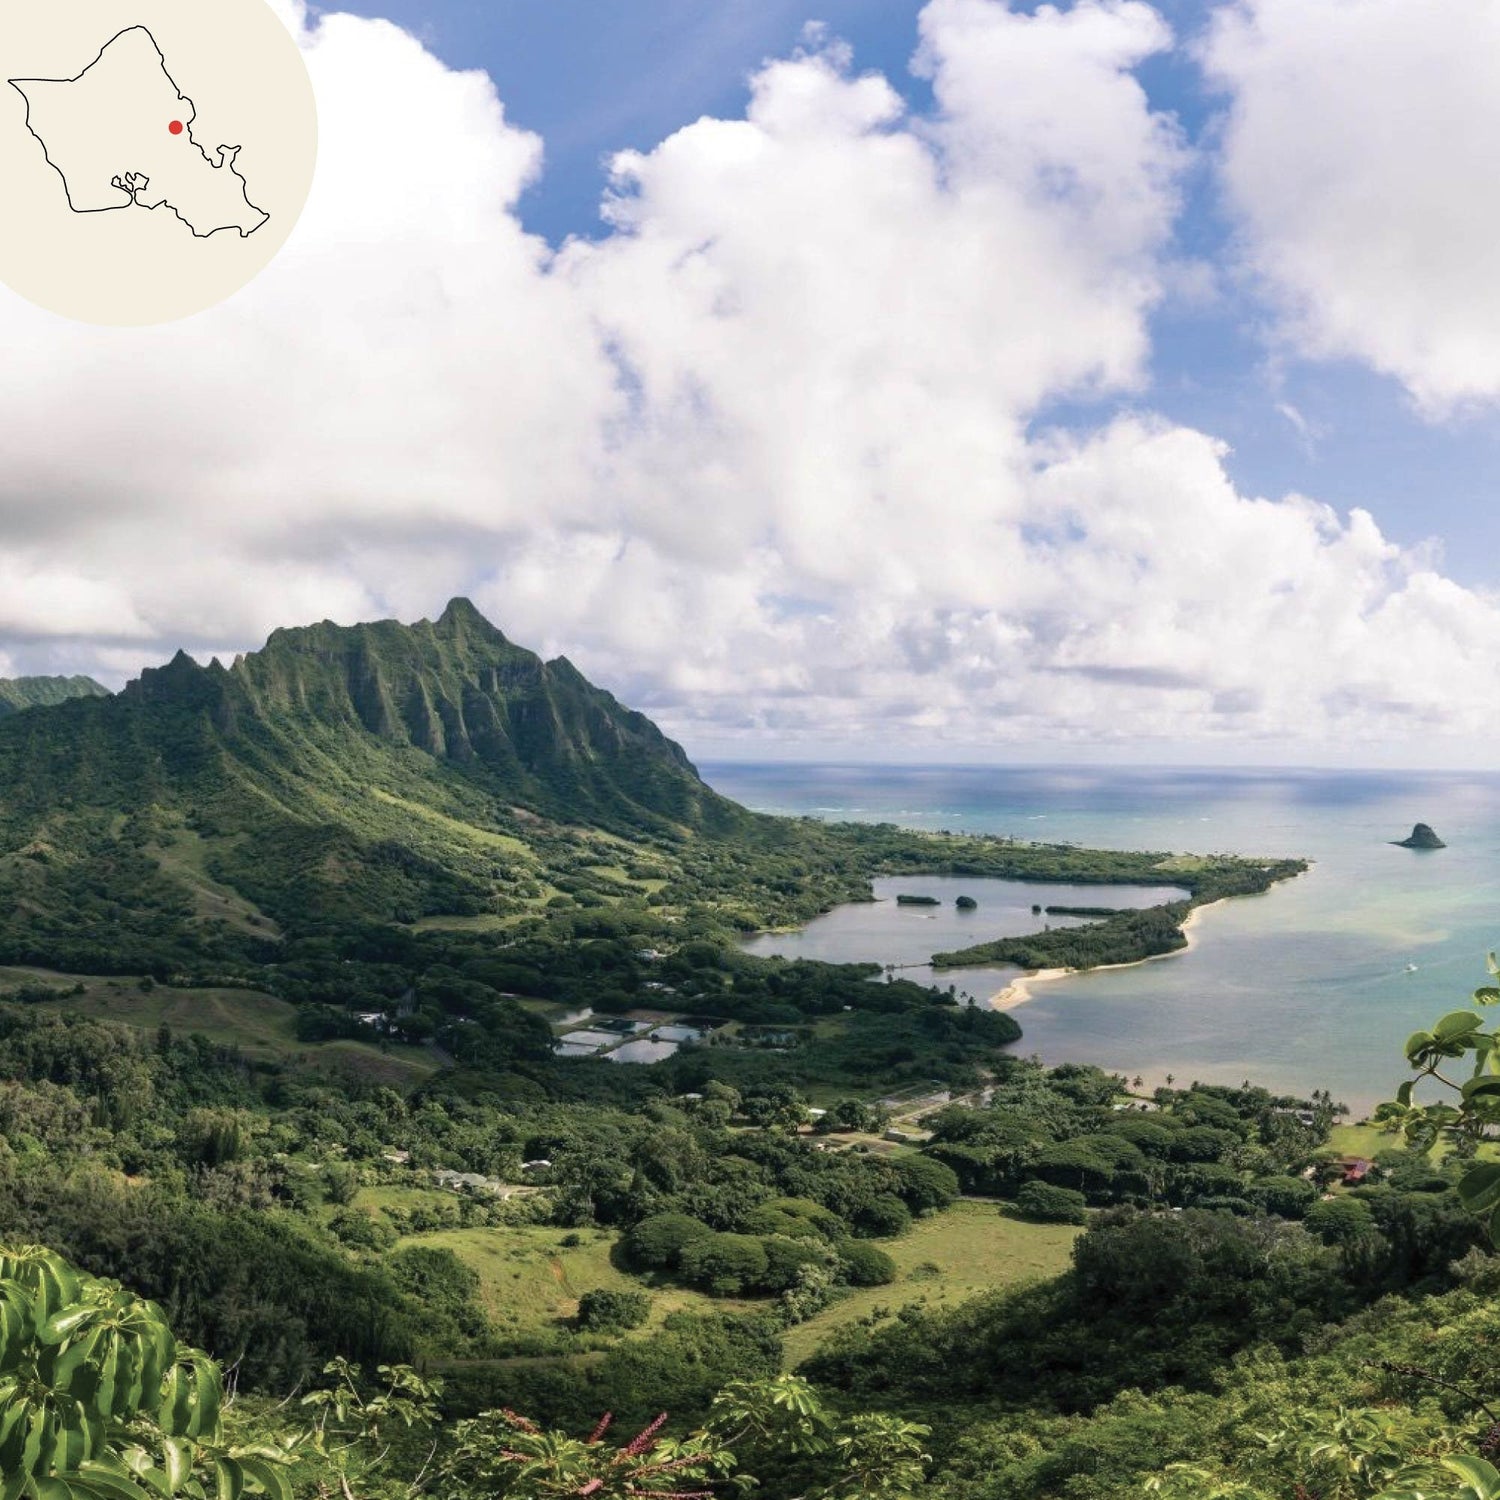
(904, 900)
(966, 903)
(1422, 837)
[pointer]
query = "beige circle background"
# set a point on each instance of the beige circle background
(238, 63)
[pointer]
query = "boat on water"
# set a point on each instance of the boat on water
(1411, 968)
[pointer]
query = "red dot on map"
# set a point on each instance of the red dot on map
(176, 127)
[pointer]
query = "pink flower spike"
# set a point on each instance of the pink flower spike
(647, 1439)
(602, 1428)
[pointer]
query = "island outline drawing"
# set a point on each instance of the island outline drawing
(119, 134)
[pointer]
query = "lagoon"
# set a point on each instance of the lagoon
(1307, 986)
(884, 932)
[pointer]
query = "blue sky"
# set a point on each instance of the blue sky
(593, 77)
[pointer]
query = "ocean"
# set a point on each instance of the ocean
(1309, 986)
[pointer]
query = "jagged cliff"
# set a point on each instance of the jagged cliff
(379, 771)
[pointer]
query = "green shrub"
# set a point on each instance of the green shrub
(786, 1258)
(604, 1311)
(864, 1264)
(1045, 1203)
(1338, 1221)
(658, 1242)
(1286, 1197)
(725, 1264)
(361, 1231)
(796, 1218)
(926, 1184)
(883, 1217)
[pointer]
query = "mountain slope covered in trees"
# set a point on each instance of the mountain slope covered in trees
(17, 693)
(390, 773)
(373, 773)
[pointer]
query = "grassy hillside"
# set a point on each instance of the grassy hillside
(256, 1025)
(965, 1251)
(531, 1276)
(17, 693)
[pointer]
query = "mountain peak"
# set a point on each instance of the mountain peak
(374, 770)
(462, 615)
(528, 732)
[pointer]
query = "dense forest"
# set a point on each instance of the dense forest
(1226, 1308)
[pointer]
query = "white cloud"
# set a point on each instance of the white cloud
(762, 457)
(1358, 154)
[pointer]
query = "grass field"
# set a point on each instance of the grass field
(1361, 1140)
(973, 1248)
(530, 1281)
(260, 1025)
(1369, 1140)
(387, 1195)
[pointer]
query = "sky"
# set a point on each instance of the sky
(863, 379)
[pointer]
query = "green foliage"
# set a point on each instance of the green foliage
(1045, 1204)
(882, 1216)
(98, 1399)
(1285, 1197)
(17, 693)
(781, 1428)
(1152, 1300)
(504, 1454)
(1471, 1111)
(99, 1402)
(1340, 1221)
(1068, 1129)
(775, 1427)
(924, 1184)
(864, 1264)
(611, 1311)
(726, 1264)
(660, 1241)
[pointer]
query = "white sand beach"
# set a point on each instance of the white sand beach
(1018, 991)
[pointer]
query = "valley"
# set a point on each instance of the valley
(394, 996)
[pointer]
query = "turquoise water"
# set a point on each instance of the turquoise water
(1304, 987)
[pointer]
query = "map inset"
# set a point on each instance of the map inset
(120, 135)
(156, 154)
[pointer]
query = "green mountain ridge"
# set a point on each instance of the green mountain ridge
(374, 772)
(344, 777)
(17, 693)
(535, 732)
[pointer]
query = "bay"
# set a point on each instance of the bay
(1307, 986)
(905, 937)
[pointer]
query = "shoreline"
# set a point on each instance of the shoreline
(1018, 991)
